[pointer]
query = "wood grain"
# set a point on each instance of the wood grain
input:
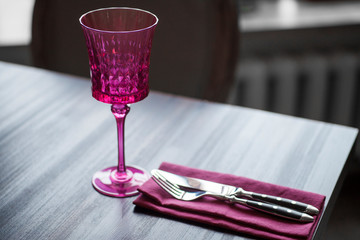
(54, 136)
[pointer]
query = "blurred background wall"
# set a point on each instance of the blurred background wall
(15, 30)
(300, 58)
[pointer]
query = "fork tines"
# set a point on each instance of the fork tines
(167, 186)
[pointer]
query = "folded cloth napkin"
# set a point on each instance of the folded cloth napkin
(235, 217)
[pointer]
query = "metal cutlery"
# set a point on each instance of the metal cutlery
(273, 209)
(223, 189)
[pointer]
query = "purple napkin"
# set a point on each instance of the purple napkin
(235, 217)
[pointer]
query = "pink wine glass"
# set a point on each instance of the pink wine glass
(119, 42)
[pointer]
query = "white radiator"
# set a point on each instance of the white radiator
(316, 86)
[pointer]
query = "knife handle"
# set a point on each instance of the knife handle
(299, 206)
(274, 209)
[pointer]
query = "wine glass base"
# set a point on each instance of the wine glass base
(110, 183)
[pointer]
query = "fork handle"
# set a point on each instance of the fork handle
(273, 209)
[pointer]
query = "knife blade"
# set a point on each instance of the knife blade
(197, 184)
(223, 189)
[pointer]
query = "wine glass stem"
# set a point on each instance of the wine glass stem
(120, 111)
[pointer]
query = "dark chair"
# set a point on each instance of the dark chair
(194, 52)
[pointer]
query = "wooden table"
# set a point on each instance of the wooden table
(54, 136)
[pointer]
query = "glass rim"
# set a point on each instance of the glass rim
(128, 31)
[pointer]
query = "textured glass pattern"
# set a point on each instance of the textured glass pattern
(119, 59)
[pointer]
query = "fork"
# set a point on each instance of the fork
(273, 209)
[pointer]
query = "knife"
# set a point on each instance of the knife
(228, 190)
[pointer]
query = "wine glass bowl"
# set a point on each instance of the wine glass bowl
(119, 43)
